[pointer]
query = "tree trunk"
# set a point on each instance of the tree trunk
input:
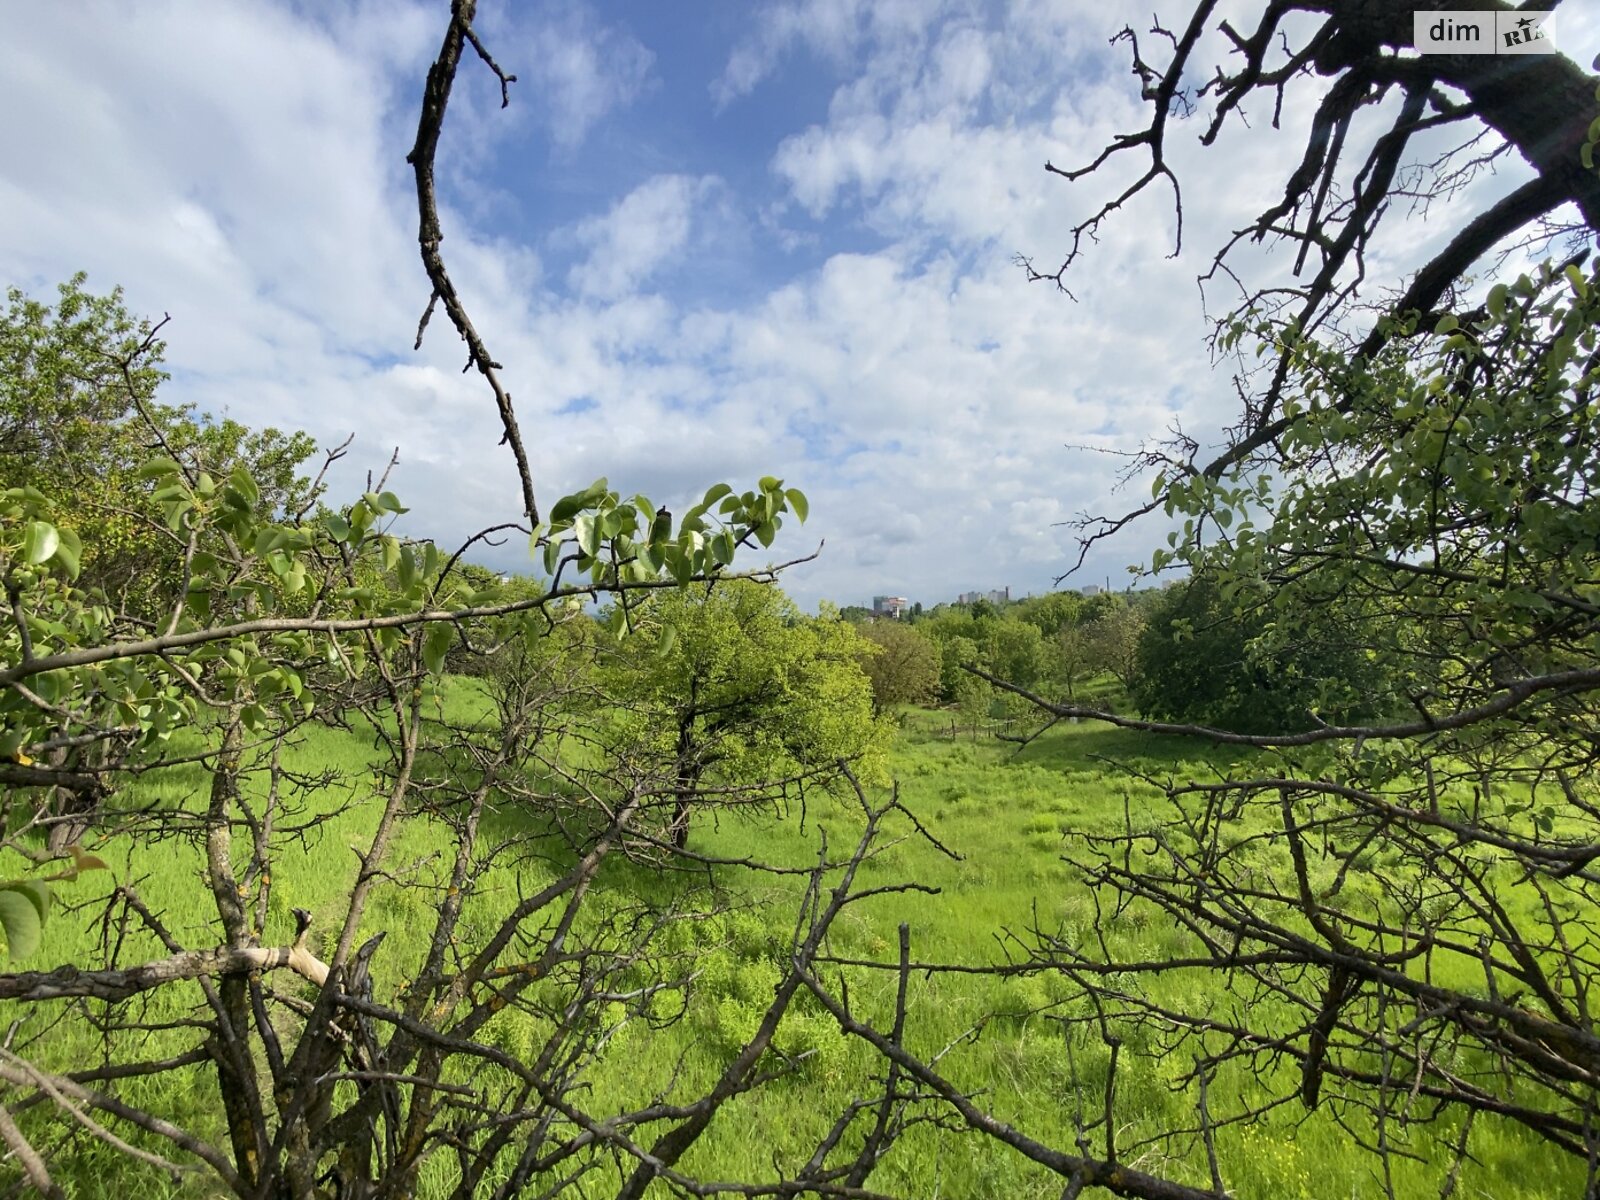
(688, 776)
(72, 810)
(229, 1046)
(1540, 103)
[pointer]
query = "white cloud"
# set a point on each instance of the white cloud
(919, 396)
(643, 231)
(245, 173)
(240, 174)
(920, 391)
(829, 27)
(581, 70)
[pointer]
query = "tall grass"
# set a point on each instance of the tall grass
(1006, 811)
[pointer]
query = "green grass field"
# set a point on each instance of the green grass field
(1004, 811)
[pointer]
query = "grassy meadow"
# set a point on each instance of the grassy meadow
(1004, 810)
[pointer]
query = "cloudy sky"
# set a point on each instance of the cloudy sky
(707, 241)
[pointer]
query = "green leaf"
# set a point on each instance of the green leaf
(157, 468)
(40, 542)
(69, 552)
(21, 922)
(714, 493)
(680, 563)
(337, 527)
(244, 483)
(669, 637)
(37, 891)
(770, 483)
(268, 540)
(435, 645)
(391, 552)
(723, 546)
(389, 502)
(408, 568)
(1447, 324)
(570, 506)
(552, 555)
(798, 504)
(587, 530)
(766, 532)
(566, 508)
(617, 623)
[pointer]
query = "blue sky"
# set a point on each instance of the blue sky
(707, 242)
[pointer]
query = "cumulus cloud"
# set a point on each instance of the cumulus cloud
(643, 231)
(830, 27)
(240, 174)
(918, 391)
(881, 350)
(582, 69)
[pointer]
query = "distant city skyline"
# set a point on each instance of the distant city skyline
(892, 605)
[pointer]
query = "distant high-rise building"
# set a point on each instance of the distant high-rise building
(889, 606)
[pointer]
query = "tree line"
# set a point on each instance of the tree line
(1192, 651)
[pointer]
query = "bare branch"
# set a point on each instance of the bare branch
(436, 96)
